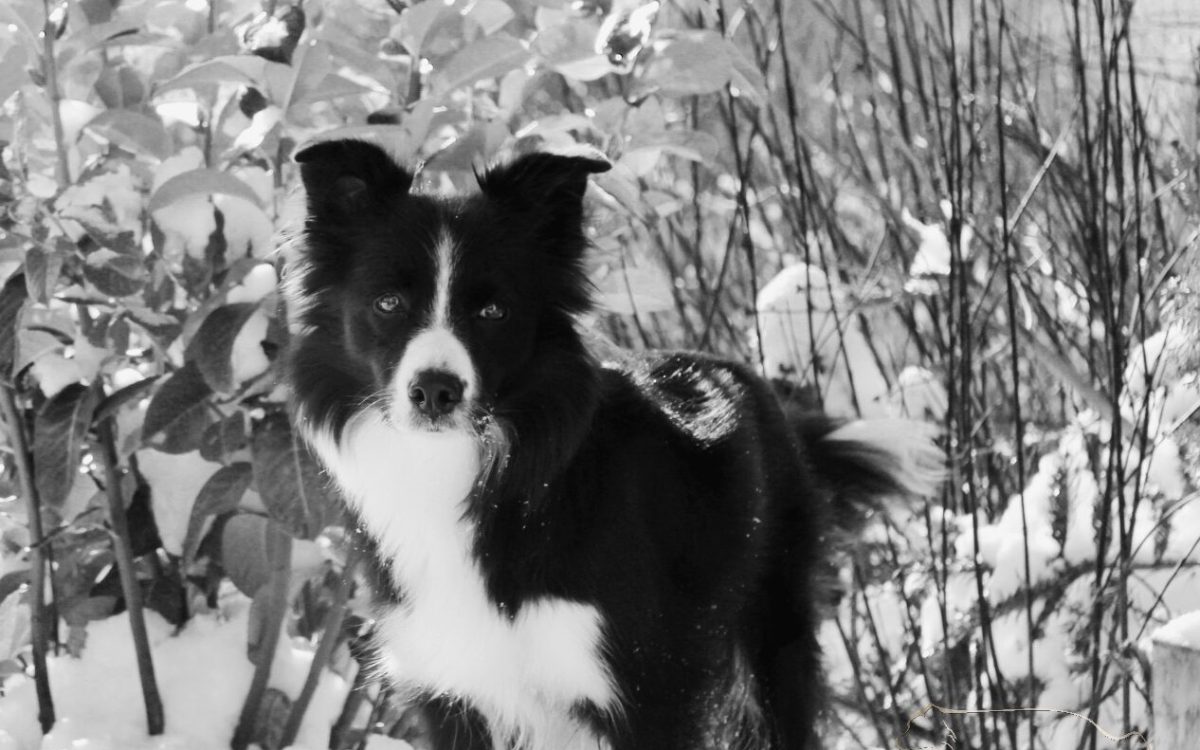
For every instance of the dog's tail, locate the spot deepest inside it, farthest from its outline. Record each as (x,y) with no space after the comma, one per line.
(865,462)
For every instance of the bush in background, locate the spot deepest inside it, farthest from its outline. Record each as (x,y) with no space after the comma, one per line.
(987,225)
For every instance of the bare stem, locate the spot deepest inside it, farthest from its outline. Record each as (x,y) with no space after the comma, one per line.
(33,505)
(132,590)
(279,556)
(50,69)
(330,631)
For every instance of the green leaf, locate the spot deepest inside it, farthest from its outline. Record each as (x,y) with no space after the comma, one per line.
(417,21)
(115,274)
(693,145)
(200,182)
(689,63)
(489,15)
(178,413)
(273,715)
(244,551)
(222,493)
(114,401)
(486,58)
(223,438)
(133,131)
(59,430)
(570,49)
(12,299)
(250,70)
(291,483)
(212,346)
(747,79)
(42,268)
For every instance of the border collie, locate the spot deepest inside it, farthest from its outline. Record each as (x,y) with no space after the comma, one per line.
(570,553)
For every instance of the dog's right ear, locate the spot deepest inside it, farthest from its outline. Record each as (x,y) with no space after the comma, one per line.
(343,177)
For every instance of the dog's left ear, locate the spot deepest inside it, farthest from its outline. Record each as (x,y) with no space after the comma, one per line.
(342,177)
(552,183)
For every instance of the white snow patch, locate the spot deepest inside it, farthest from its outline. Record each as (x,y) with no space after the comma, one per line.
(247,357)
(203,675)
(176,480)
(809,330)
(1182,631)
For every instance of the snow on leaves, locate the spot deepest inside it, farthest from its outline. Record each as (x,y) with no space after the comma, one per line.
(212,347)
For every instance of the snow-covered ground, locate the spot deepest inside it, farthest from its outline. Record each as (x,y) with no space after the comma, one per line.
(203,675)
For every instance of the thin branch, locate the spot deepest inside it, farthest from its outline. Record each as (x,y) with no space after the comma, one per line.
(331,630)
(37,553)
(130,588)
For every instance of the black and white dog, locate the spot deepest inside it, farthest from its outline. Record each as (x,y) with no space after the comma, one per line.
(573,553)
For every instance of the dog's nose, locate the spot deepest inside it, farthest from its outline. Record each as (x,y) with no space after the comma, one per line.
(435,392)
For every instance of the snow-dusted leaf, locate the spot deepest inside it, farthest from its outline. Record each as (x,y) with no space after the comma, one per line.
(486,58)
(289,479)
(14,626)
(133,131)
(688,64)
(59,430)
(115,274)
(33,344)
(201,182)
(222,493)
(178,413)
(212,346)
(12,299)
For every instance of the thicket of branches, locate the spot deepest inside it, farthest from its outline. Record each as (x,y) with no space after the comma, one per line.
(989,223)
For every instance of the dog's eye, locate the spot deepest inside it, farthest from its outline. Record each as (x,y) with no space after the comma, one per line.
(388,304)
(492,311)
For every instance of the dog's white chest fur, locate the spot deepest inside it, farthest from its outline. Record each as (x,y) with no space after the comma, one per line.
(524,673)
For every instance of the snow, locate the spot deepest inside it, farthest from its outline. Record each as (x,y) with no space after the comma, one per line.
(176,479)
(803,313)
(203,675)
(1182,631)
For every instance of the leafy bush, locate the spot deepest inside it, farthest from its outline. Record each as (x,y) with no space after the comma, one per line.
(983,242)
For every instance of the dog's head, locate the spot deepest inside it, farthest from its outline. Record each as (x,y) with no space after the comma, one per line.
(433,308)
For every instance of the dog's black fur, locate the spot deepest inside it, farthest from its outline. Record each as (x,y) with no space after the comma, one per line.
(670,491)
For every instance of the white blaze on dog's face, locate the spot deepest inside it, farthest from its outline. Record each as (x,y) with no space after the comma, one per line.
(435,382)
(433,308)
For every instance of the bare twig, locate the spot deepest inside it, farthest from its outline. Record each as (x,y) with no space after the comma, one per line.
(331,630)
(279,556)
(130,588)
(37,553)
